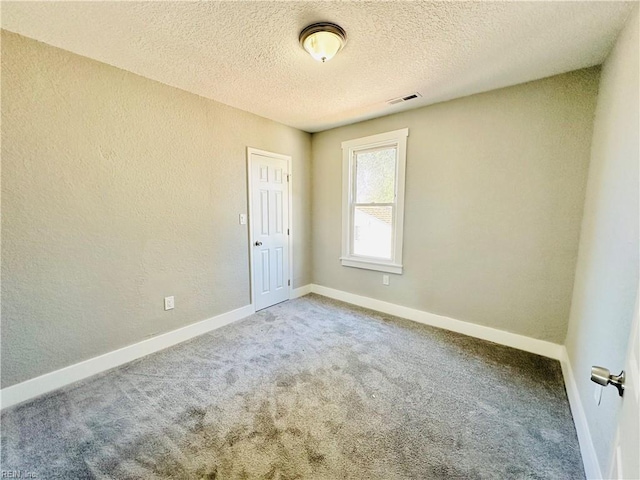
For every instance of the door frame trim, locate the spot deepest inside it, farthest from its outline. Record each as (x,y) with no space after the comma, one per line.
(265,153)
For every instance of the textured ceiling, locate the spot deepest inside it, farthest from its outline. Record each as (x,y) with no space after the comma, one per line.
(246,54)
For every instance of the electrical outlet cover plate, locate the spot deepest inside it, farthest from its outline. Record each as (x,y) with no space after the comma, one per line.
(169,303)
(385,279)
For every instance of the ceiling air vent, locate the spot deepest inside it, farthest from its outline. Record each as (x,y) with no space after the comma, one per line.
(406,98)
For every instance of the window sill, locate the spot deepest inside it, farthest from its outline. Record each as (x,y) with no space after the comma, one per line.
(372,265)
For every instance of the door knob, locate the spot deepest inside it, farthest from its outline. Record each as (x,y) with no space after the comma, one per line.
(258,244)
(602,376)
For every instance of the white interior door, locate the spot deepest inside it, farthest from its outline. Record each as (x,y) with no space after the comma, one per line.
(270,228)
(625,464)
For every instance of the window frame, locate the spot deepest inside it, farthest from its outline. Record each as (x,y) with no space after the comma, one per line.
(350,148)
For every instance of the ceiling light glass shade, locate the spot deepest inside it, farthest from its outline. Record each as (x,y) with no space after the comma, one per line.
(323,40)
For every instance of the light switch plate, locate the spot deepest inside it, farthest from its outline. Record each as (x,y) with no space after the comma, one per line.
(243,219)
(169,303)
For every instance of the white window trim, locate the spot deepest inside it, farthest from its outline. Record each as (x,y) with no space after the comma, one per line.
(397,138)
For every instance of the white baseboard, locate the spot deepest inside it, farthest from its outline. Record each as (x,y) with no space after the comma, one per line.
(528,344)
(37,386)
(589,458)
(300,291)
(51,381)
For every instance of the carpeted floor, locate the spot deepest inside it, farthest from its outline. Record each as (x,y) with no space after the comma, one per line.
(308,389)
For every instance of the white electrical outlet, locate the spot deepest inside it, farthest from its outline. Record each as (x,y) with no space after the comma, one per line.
(597,394)
(169,303)
(385,279)
(243,219)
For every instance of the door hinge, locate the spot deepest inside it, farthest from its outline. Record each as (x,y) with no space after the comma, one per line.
(288,177)
(289,283)
(288,232)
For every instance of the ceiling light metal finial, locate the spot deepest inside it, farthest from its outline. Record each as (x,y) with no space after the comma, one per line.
(323,40)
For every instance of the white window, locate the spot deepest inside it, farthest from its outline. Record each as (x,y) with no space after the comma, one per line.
(373,201)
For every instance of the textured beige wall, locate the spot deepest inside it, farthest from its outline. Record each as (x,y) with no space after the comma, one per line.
(494,196)
(116,192)
(606,282)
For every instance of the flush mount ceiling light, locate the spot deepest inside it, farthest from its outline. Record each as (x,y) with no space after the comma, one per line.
(323,40)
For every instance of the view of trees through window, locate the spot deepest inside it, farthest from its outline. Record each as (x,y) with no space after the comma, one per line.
(375,184)
(376,176)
